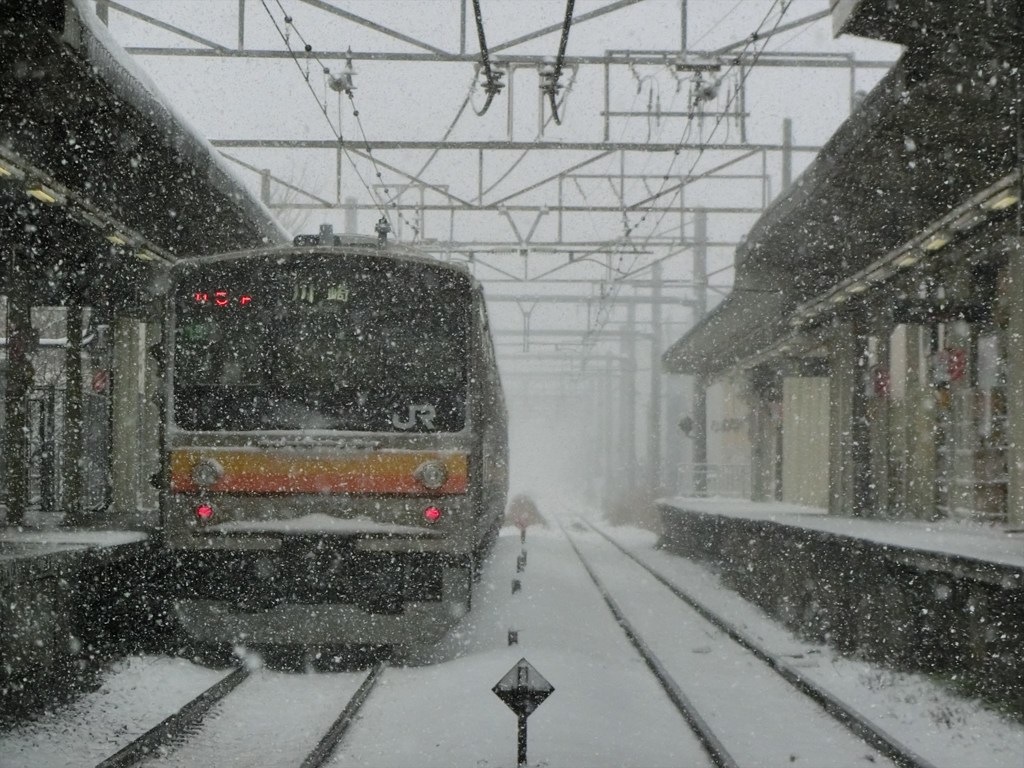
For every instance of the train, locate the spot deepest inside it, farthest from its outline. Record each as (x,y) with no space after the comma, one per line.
(334,447)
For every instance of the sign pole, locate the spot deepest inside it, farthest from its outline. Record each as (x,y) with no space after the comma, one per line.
(522,741)
(523,689)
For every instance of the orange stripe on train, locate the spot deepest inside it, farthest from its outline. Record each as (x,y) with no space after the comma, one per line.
(252,472)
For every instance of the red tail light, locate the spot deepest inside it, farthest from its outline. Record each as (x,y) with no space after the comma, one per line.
(204,512)
(432,514)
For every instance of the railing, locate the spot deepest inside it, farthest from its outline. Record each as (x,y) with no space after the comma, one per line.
(731,480)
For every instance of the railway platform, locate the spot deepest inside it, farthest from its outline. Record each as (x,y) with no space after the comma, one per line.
(65,594)
(913,594)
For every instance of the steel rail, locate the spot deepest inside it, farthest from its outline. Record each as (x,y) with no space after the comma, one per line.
(716,750)
(324,749)
(190,714)
(852,720)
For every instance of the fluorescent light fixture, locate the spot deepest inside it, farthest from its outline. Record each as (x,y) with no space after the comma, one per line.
(859,287)
(839,298)
(145,255)
(43,193)
(936,241)
(970,219)
(116,238)
(1003,200)
(9,171)
(909,259)
(881,273)
(89,218)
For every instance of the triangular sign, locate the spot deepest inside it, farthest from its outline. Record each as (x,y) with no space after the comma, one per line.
(523,688)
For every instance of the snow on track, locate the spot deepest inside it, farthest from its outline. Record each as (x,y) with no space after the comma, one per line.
(760,718)
(273,718)
(943,728)
(606,710)
(135,695)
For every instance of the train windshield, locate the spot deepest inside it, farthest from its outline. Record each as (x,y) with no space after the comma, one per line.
(344,342)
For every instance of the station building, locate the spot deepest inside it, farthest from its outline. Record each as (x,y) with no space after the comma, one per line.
(870,357)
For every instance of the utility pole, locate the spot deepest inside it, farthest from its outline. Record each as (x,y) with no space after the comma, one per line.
(608,442)
(654,428)
(700,392)
(787,155)
(682,26)
(627,395)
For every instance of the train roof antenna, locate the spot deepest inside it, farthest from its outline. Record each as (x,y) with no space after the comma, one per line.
(382,229)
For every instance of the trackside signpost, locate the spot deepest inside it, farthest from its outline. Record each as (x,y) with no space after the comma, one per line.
(523,689)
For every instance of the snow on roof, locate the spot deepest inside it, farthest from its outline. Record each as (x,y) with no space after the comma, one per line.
(128,79)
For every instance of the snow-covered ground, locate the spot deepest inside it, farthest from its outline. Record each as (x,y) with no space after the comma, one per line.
(136,695)
(939,725)
(606,710)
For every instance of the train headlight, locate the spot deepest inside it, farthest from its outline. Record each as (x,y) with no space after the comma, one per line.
(207,472)
(431,474)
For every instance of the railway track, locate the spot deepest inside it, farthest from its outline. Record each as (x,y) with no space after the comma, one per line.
(706,731)
(178,726)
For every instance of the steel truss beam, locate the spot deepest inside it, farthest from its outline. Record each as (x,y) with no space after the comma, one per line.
(585,203)
(514,146)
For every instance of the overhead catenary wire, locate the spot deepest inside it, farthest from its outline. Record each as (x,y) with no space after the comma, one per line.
(552,86)
(347,88)
(522,155)
(336,130)
(714,26)
(692,112)
(785,4)
(604,310)
(493,84)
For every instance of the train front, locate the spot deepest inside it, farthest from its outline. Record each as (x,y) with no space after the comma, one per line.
(318,475)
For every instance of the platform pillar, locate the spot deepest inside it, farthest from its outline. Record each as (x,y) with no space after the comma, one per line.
(72,468)
(126,418)
(21,341)
(840,500)
(850,484)
(880,419)
(763,444)
(918,488)
(1015,382)
(962,442)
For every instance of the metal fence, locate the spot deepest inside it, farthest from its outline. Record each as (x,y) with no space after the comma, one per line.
(730,480)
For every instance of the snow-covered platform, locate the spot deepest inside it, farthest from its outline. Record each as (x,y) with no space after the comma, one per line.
(909,592)
(985,552)
(26,553)
(53,584)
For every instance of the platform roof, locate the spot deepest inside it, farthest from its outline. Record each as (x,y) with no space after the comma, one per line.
(82,124)
(932,133)
(906,21)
